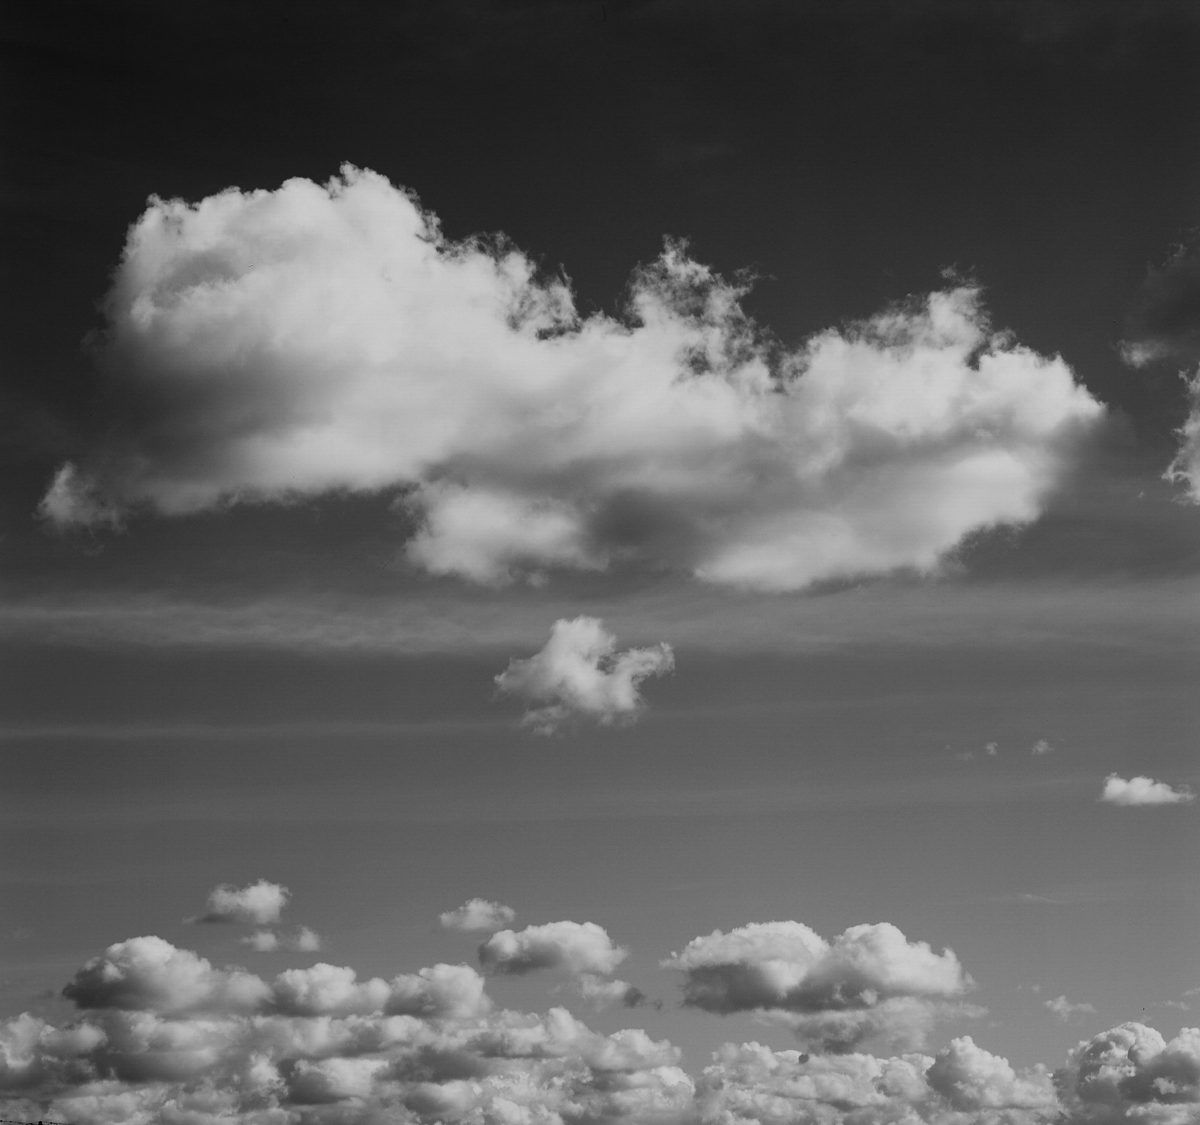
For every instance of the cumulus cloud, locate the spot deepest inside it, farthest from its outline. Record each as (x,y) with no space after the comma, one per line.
(1144,792)
(580,674)
(1131,1074)
(1067,1010)
(256,904)
(869,982)
(576,947)
(267,346)
(963,1085)
(150,974)
(167,1040)
(478,915)
(1041,748)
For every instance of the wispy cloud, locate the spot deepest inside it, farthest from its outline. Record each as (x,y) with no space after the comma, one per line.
(1068,1010)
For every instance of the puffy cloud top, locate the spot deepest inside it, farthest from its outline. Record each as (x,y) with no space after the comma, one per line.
(788,965)
(577,947)
(150,974)
(323,1047)
(1130,1073)
(257,904)
(270,345)
(870,981)
(1143,791)
(478,915)
(579,674)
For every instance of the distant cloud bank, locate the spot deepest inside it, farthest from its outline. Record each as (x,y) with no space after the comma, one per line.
(267,346)
(162,1036)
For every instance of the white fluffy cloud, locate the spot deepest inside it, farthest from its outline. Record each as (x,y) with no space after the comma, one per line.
(478,915)
(167,1040)
(273,345)
(150,974)
(576,947)
(256,904)
(1131,1074)
(963,1085)
(869,982)
(580,674)
(1143,791)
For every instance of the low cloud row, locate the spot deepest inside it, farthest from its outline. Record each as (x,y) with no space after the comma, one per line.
(163,1037)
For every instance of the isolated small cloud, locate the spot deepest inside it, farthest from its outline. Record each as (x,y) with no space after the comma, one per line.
(257,904)
(478,915)
(869,982)
(1041,748)
(576,947)
(604,992)
(301,940)
(1143,791)
(319,339)
(579,674)
(1067,1010)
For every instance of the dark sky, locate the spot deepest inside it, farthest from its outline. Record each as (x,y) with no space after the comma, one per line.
(276,690)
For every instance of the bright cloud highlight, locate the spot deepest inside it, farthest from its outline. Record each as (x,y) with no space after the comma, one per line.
(165,1038)
(579,674)
(478,915)
(267,346)
(257,904)
(870,982)
(1143,791)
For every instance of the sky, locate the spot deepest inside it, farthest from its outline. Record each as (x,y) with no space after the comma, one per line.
(590,562)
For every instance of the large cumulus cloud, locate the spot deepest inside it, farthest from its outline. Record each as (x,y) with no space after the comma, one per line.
(870,982)
(1131,1073)
(270,345)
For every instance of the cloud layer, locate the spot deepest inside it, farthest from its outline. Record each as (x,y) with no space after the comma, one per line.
(275,345)
(164,1037)
(579,674)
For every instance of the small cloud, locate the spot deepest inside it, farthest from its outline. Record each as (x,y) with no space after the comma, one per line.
(991,750)
(257,904)
(1041,748)
(1067,1010)
(580,675)
(478,915)
(1143,791)
(602,992)
(304,940)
